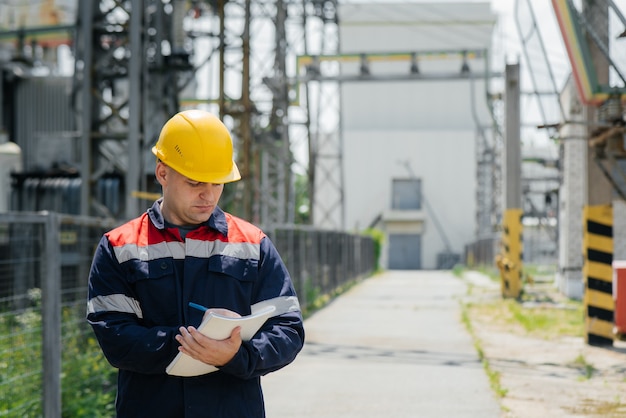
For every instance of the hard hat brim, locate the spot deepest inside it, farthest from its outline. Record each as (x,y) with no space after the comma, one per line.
(208,177)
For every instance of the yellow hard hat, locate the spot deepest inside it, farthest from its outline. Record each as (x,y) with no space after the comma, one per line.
(198,145)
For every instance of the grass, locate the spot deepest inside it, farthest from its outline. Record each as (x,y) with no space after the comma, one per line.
(548,320)
(545,320)
(493,376)
(539,313)
(585,368)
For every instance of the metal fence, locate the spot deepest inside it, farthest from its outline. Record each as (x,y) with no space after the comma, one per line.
(539,247)
(50,363)
(482,252)
(321,261)
(44,339)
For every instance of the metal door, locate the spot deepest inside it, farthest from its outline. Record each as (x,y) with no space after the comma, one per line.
(405,251)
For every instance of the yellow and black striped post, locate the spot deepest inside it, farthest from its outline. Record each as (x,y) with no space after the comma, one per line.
(510,261)
(598,274)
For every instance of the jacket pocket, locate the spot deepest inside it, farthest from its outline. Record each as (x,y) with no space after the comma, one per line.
(231,283)
(154,283)
(243,270)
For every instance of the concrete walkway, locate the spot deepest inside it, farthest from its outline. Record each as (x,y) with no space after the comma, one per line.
(393,346)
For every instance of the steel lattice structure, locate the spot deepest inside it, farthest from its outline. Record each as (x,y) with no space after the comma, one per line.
(140,61)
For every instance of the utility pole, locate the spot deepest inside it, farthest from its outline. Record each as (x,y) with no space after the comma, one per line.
(509,261)
(599,189)
(598,210)
(512,147)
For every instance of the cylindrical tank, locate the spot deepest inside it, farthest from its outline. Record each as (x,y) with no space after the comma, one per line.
(10,162)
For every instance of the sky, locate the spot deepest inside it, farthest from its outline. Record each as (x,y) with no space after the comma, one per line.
(544,55)
(507,40)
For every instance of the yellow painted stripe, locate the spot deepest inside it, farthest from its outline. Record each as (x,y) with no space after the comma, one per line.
(599,327)
(512,248)
(602,214)
(598,271)
(302,60)
(599,299)
(145,195)
(514,214)
(599,242)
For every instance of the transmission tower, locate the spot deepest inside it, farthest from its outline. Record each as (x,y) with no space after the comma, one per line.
(139,61)
(259,90)
(126,87)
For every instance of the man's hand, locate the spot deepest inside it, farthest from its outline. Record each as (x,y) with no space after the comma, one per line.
(207,350)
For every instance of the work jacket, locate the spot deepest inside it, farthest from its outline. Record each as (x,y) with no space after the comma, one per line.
(143,277)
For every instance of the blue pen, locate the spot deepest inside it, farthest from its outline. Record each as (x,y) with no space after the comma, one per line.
(198,307)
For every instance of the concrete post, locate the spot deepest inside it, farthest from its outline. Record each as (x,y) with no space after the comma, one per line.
(510,259)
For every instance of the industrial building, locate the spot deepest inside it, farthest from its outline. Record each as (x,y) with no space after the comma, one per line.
(391,116)
(409,121)
(411,125)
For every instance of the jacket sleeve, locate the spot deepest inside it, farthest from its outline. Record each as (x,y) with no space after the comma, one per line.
(282,337)
(114,312)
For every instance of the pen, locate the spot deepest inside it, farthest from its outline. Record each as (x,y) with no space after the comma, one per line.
(198,307)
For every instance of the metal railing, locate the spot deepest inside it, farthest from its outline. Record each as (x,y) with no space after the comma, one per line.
(539,247)
(50,362)
(44,264)
(321,261)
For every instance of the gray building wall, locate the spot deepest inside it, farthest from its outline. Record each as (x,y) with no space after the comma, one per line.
(423,129)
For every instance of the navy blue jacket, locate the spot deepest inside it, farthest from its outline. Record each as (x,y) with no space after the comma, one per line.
(143,277)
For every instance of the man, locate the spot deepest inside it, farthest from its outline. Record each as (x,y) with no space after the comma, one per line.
(186,249)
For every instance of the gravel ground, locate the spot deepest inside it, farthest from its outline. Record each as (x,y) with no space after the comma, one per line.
(560,377)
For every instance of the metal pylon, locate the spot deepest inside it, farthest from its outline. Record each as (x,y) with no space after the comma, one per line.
(323,102)
(126,87)
(136,64)
(255,65)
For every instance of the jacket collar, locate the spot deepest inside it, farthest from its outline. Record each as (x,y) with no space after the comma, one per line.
(217,221)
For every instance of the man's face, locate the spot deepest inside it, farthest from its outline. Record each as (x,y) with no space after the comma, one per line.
(185,201)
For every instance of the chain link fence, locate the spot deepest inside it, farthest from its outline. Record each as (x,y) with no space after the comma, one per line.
(50,362)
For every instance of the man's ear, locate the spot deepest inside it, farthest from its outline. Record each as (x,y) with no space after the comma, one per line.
(160,172)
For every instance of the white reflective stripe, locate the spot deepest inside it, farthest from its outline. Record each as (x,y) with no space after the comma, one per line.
(283,305)
(127,252)
(193,248)
(206,249)
(201,249)
(150,252)
(114,303)
(122,303)
(166,249)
